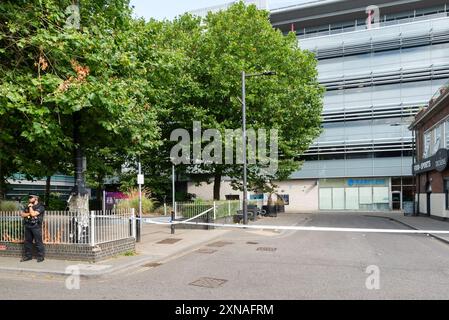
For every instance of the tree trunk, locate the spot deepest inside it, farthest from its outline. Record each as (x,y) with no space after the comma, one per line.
(217,185)
(99,193)
(47,190)
(270,200)
(80,181)
(2,174)
(2,182)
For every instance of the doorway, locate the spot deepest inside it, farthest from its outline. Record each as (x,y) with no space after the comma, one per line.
(429,196)
(396,199)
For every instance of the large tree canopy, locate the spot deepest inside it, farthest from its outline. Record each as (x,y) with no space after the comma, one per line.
(220,47)
(128,84)
(101,72)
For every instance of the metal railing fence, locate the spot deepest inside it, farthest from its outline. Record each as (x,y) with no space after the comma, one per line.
(217,209)
(64,227)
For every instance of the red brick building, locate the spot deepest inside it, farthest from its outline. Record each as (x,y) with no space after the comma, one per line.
(431,130)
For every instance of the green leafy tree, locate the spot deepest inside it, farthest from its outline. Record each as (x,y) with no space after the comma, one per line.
(220,47)
(52,75)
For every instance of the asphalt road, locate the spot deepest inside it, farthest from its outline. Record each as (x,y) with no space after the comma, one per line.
(303,265)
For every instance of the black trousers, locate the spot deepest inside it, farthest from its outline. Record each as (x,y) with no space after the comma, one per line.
(34,233)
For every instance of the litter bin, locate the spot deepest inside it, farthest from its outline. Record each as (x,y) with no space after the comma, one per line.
(272,211)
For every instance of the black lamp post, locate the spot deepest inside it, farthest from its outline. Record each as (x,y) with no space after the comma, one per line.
(244,137)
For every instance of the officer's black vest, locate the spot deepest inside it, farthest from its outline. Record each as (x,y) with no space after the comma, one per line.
(32,221)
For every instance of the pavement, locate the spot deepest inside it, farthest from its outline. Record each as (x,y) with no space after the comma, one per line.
(418,223)
(150,252)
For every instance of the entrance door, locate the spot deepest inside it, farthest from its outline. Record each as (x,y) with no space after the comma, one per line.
(397,200)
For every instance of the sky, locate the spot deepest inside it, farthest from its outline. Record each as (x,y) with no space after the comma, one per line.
(160,9)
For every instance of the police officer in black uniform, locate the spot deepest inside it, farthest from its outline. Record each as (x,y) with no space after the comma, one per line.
(33,217)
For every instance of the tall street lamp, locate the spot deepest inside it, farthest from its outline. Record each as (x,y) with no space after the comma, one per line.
(245,178)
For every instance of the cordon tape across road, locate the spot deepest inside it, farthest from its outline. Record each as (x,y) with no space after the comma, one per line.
(297,228)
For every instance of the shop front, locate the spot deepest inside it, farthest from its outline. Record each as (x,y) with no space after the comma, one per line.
(431,131)
(355,194)
(433,183)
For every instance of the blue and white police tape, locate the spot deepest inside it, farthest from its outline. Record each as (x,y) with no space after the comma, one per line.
(293,228)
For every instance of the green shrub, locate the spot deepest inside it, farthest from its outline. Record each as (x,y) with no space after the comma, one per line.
(55,203)
(9,206)
(147,205)
(129,254)
(160,210)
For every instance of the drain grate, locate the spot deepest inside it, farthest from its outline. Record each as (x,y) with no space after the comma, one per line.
(208,282)
(252,242)
(206,251)
(219,244)
(267,249)
(169,241)
(152,265)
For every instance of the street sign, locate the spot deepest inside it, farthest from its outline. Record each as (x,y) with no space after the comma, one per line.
(140,179)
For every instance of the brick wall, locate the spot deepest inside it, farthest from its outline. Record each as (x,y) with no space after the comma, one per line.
(440,114)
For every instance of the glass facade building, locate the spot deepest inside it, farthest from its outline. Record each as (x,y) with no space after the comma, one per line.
(377,78)
(19,186)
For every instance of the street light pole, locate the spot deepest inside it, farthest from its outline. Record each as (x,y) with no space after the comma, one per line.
(245,186)
(139,221)
(173,188)
(244,142)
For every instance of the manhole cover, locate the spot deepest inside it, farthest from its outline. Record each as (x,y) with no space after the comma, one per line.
(152,265)
(252,242)
(219,244)
(208,282)
(268,249)
(169,241)
(206,251)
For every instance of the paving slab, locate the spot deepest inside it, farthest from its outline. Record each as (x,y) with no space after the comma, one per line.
(154,248)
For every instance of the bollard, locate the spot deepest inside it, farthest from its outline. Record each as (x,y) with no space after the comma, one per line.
(138,226)
(172,227)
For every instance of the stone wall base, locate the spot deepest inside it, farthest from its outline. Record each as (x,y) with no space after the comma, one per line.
(75,252)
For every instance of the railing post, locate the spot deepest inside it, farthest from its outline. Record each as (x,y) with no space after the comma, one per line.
(229,208)
(215,211)
(173,218)
(175,210)
(133,223)
(92,228)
